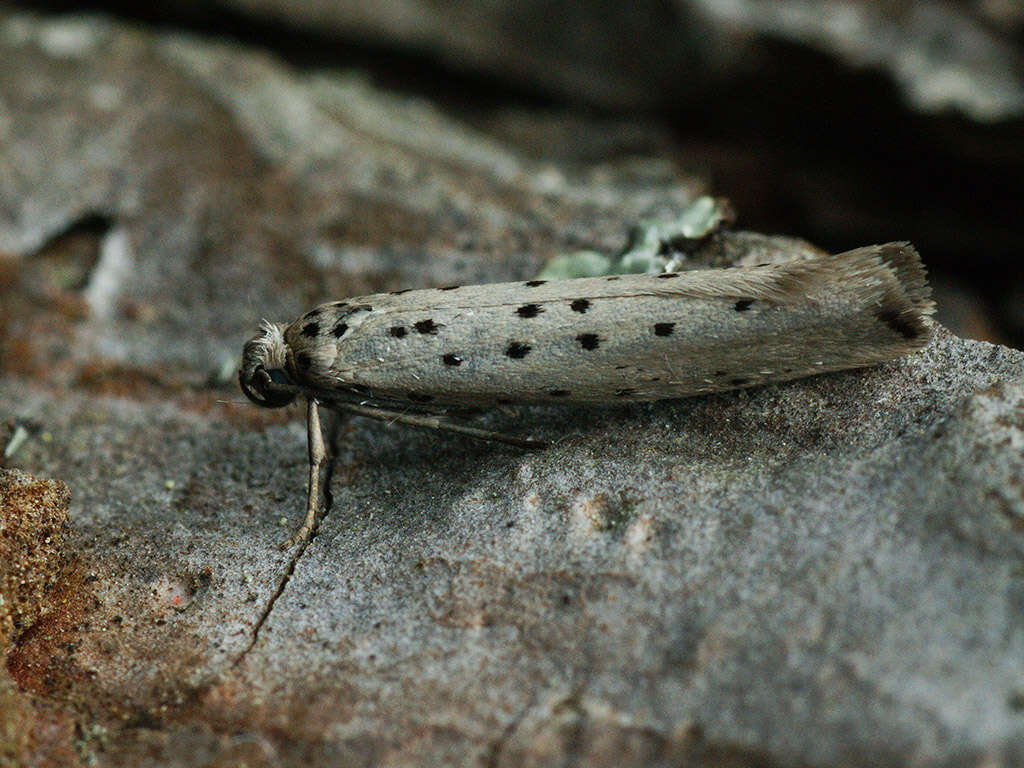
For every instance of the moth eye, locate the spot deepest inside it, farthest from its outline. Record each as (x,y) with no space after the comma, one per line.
(269,388)
(279,377)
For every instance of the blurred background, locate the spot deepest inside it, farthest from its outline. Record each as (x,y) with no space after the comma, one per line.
(845,123)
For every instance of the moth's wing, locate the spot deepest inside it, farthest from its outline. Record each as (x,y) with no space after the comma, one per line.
(638,337)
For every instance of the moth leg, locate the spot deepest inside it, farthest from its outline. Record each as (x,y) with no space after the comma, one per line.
(317,459)
(436,422)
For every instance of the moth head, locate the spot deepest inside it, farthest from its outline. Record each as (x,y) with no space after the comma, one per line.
(263,376)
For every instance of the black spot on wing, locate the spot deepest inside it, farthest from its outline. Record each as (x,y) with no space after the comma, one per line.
(743,305)
(427,327)
(534,283)
(668,275)
(339,330)
(451,359)
(400,292)
(398,331)
(580,305)
(588,340)
(517,350)
(529,310)
(450,288)
(898,323)
(309,330)
(664,329)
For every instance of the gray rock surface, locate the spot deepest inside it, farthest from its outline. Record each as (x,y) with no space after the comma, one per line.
(826,572)
(942,55)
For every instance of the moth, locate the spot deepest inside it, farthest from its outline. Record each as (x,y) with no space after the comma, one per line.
(409,355)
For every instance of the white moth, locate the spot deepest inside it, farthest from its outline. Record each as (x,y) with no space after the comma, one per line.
(592,340)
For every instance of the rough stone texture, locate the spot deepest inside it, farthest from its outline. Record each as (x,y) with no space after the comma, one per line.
(32,534)
(31,547)
(825,573)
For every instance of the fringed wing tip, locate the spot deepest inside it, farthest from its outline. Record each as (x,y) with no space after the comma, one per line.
(905,304)
(906,264)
